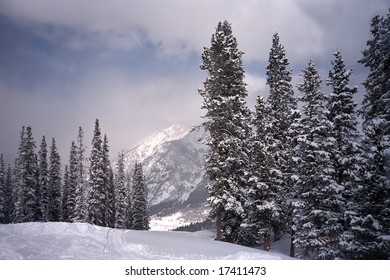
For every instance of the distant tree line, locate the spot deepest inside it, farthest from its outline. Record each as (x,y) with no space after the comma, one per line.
(207,224)
(34,190)
(310,172)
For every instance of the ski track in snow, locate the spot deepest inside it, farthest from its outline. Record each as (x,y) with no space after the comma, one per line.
(45,241)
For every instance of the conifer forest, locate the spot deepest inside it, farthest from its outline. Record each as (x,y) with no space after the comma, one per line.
(35,190)
(299,164)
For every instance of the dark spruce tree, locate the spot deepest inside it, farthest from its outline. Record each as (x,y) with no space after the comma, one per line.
(108,184)
(121,193)
(140,216)
(280,116)
(227,120)
(43,179)
(259,205)
(97,188)
(129,190)
(319,205)
(343,115)
(347,157)
(78,176)
(55,187)
(65,196)
(2,190)
(375,194)
(9,198)
(26,181)
(30,163)
(18,186)
(73,181)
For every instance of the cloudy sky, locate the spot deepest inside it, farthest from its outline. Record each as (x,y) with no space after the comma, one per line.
(134,65)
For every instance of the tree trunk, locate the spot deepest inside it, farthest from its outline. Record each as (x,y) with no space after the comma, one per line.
(267,235)
(218,222)
(292,247)
(267,241)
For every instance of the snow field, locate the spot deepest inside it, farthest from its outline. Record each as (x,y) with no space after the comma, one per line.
(65,241)
(108,253)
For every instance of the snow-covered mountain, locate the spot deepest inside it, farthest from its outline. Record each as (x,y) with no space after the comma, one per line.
(172,161)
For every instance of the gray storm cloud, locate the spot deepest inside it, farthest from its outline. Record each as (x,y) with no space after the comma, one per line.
(173,31)
(307,28)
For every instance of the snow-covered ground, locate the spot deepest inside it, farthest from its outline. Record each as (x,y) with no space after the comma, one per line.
(60,246)
(56,241)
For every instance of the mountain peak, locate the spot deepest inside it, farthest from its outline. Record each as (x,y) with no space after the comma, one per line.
(148,146)
(175,131)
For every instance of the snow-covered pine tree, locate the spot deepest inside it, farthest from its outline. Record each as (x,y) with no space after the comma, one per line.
(375,202)
(43,178)
(108,185)
(73,181)
(39,215)
(65,196)
(97,190)
(343,115)
(111,197)
(30,163)
(80,201)
(280,115)
(26,179)
(258,205)
(9,198)
(129,190)
(139,211)
(32,204)
(2,190)
(55,194)
(121,193)
(347,156)
(227,121)
(317,217)
(18,187)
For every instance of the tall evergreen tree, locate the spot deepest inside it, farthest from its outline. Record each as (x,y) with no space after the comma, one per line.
(31,206)
(129,191)
(228,124)
(43,179)
(73,184)
(2,190)
(80,200)
(111,198)
(9,198)
(97,190)
(18,186)
(108,185)
(347,157)
(65,196)
(375,194)
(18,189)
(139,211)
(343,115)
(26,181)
(121,193)
(55,193)
(317,220)
(280,116)
(258,204)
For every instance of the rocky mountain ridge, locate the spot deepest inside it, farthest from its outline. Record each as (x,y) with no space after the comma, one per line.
(173,161)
